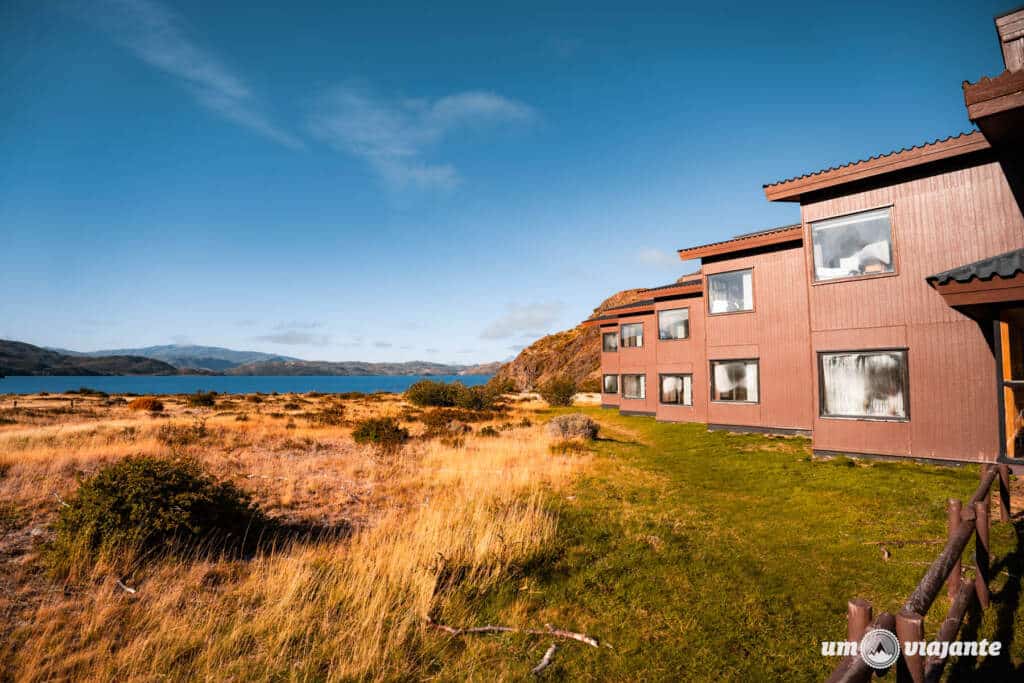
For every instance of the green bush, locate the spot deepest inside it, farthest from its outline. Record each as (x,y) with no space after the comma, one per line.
(383,432)
(558,391)
(501,386)
(428,393)
(178,435)
(145,503)
(489,430)
(590,386)
(202,399)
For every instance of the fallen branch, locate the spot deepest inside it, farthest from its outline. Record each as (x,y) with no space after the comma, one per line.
(60,500)
(126,589)
(545,662)
(547,631)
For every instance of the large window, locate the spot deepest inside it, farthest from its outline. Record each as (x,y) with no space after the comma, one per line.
(634,386)
(852,246)
(610,341)
(866,384)
(734,380)
(632,335)
(731,292)
(611,384)
(674,324)
(677,389)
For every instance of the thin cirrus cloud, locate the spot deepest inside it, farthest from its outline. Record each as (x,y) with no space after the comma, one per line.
(524,320)
(395,137)
(658,258)
(159,37)
(295,338)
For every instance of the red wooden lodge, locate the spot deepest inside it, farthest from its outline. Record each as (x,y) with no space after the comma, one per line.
(888,322)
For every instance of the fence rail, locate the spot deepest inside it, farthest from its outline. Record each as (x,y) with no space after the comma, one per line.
(962,524)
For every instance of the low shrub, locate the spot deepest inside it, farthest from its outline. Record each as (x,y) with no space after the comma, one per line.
(178,435)
(437,421)
(254,398)
(291,405)
(202,399)
(525,422)
(574,426)
(501,386)
(145,503)
(383,432)
(569,447)
(331,416)
(148,403)
(428,393)
(590,386)
(88,391)
(489,431)
(558,391)
(242,417)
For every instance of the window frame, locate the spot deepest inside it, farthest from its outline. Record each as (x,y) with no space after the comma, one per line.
(753,291)
(622,345)
(622,387)
(711,380)
(604,390)
(673,310)
(809,237)
(863,418)
(613,334)
(680,375)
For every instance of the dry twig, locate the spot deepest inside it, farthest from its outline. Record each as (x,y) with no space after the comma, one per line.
(548,630)
(545,662)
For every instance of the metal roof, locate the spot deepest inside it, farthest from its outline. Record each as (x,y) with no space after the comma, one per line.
(1004,265)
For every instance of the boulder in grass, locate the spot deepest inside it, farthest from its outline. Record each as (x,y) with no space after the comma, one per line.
(575,426)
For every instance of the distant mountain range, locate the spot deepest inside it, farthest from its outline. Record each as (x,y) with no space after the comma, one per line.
(18,358)
(212,358)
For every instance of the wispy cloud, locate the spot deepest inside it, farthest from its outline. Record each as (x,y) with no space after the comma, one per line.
(658,258)
(432,350)
(295,338)
(382,345)
(160,38)
(298,325)
(524,320)
(393,137)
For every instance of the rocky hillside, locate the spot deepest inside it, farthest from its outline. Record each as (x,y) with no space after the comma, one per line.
(575,353)
(315,367)
(18,358)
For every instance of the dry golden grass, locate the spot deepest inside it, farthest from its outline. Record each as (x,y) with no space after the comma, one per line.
(428,526)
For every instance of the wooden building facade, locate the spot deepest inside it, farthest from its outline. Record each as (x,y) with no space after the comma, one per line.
(888,322)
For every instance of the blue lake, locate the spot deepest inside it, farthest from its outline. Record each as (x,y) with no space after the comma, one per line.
(187,384)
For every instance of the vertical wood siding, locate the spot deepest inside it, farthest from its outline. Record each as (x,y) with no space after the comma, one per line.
(939,222)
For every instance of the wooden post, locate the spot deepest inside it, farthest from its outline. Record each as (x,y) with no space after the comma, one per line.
(981,553)
(953,510)
(1004,493)
(985,469)
(910,628)
(858,617)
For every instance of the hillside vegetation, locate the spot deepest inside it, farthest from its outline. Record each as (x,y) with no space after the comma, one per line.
(574,353)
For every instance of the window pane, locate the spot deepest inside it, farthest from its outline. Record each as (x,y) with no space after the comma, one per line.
(851,246)
(611,384)
(677,389)
(734,380)
(729,292)
(634,386)
(674,324)
(632,336)
(610,341)
(871,384)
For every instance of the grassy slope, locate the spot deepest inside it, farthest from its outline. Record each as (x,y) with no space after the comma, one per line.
(710,556)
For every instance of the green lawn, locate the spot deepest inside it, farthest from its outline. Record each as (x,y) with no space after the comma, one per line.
(710,556)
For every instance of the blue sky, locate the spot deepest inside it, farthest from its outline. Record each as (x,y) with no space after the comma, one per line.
(426,181)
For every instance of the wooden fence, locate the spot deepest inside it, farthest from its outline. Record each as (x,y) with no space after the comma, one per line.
(962,524)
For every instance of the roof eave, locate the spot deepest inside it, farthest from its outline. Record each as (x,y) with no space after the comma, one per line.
(742,244)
